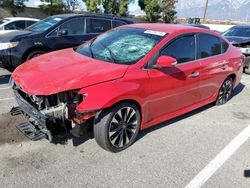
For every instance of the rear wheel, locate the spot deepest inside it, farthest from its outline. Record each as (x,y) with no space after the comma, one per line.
(115,129)
(35,53)
(225,92)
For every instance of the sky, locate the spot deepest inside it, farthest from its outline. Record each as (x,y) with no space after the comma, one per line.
(132,6)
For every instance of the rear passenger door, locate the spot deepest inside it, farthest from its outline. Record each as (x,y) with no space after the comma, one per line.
(213,62)
(96,26)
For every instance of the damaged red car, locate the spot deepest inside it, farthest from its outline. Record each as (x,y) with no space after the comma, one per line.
(124,81)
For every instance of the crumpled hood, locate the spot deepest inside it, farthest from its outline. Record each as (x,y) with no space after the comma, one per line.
(237,40)
(64,70)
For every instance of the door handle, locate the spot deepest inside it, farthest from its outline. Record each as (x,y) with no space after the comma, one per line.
(194,75)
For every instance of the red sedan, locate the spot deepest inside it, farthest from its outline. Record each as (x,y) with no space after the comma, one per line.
(125,80)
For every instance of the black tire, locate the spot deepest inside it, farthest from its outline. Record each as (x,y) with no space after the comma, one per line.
(35,53)
(115,137)
(247,70)
(225,92)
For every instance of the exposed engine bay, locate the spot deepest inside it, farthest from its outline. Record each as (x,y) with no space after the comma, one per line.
(50,116)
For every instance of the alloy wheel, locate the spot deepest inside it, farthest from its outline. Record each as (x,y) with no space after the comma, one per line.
(225,91)
(123,126)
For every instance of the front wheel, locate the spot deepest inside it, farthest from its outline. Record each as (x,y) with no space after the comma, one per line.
(225,92)
(115,129)
(34,53)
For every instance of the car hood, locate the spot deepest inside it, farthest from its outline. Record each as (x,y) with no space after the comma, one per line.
(62,71)
(237,40)
(14,35)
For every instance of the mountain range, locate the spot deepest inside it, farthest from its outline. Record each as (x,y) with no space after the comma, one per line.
(238,10)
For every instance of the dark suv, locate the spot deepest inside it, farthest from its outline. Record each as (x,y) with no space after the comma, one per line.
(53,33)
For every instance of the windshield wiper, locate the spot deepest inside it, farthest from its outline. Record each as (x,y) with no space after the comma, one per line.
(110,52)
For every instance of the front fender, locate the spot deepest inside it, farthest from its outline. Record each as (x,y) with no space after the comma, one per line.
(106,94)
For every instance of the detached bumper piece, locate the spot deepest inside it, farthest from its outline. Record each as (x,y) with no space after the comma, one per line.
(30,131)
(16,111)
(35,129)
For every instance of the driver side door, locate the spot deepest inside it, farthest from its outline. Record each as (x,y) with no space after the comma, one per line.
(177,87)
(69,34)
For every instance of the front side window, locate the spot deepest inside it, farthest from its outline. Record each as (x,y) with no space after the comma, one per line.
(74,26)
(98,25)
(45,24)
(209,45)
(121,46)
(182,49)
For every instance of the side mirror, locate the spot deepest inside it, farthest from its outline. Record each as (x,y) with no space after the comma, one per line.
(62,32)
(165,61)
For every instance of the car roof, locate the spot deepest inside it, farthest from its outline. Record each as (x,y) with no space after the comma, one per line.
(169,28)
(111,17)
(20,18)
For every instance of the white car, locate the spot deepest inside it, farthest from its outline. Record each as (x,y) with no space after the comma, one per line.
(15,23)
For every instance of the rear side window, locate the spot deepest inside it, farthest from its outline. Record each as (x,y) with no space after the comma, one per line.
(16,25)
(117,23)
(224,45)
(182,49)
(209,45)
(98,25)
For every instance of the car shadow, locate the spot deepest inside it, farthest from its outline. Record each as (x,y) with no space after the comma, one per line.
(173,121)
(238,89)
(4,79)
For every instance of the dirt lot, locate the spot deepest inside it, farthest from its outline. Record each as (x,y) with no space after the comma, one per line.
(171,154)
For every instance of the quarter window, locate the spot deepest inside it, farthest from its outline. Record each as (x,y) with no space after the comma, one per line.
(209,45)
(98,25)
(182,49)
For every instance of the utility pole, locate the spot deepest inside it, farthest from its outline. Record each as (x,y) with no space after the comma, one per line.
(205,11)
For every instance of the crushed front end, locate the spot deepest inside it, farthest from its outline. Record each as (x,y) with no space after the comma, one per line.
(53,116)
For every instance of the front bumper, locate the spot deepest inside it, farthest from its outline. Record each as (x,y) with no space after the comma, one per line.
(36,127)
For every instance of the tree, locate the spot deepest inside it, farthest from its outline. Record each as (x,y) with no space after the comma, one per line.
(71,5)
(14,6)
(92,5)
(110,6)
(168,10)
(53,7)
(151,8)
(123,7)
